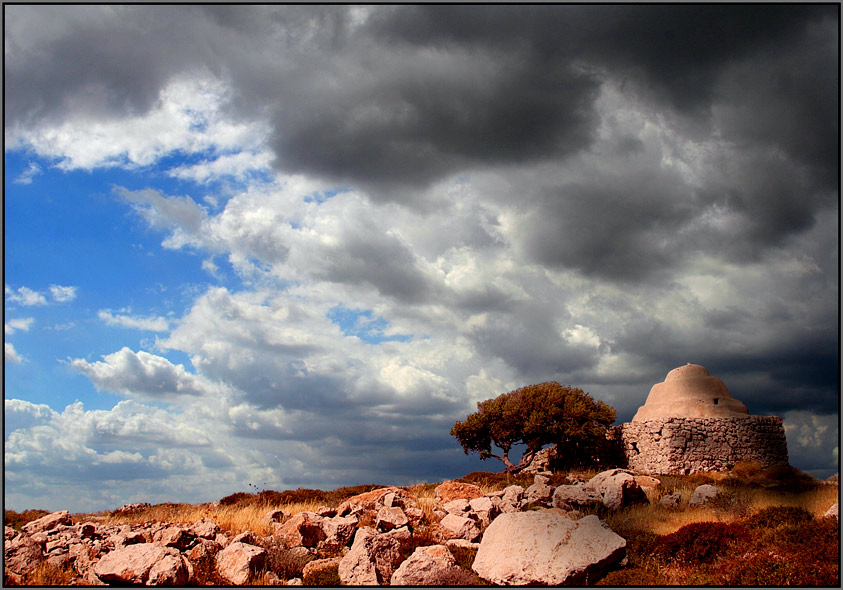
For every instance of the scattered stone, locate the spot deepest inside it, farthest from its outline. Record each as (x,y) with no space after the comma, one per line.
(275,515)
(203,549)
(544,547)
(390,518)
(294,582)
(511,499)
(832,512)
(143,563)
(47,523)
(617,488)
(248,537)
(301,530)
(372,559)
(574,497)
(703,495)
(326,512)
(537,495)
(22,554)
(366,505)
(177,538)
(671,500)
(460,506)
(425,567)
(338,531)
(453,490)
(458,527)
(239,561)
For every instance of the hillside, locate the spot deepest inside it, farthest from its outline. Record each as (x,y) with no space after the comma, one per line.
(763,527)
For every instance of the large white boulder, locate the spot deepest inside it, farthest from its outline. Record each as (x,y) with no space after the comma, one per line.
(544,547)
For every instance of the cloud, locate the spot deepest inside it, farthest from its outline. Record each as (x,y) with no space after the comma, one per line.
(29,297)
(22,324)
(144,376)
(29,174)
(153,324)
(25,296)
(62,294)
(438,204)
(10,355)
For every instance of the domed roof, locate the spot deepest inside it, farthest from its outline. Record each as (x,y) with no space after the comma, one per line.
(690,392)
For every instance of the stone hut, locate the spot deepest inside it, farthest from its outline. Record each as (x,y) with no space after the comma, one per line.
(690,423)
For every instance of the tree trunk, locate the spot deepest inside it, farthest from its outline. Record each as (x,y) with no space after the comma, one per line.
(526,459)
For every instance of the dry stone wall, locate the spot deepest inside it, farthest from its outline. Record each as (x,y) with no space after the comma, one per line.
(675,445)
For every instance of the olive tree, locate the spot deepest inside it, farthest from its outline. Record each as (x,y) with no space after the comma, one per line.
(536,416)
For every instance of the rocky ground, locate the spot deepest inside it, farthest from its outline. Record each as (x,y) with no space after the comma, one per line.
(540,534)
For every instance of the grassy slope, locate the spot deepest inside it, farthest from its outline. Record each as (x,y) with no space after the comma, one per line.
(765,529)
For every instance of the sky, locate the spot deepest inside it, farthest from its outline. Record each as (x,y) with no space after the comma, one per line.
(270,247)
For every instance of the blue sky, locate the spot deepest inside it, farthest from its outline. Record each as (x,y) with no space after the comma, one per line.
(297,243)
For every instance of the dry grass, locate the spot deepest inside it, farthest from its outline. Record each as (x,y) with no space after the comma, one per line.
(233,519)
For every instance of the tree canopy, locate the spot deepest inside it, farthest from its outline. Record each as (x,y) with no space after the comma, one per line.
(535,415)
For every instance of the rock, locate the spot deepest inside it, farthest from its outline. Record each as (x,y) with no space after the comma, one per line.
(540,479)
(22,554)
(427,566)
(372,559)
(301,530)
(482,504)
(390,518)
(544,547)
(458,527)
(177,538)
(574,497)
(453,490)
(703,495)
(617,488)
(832,512)
(671,500)
(275,515)
(338,530)
(294,582)
(205,529)
(511,499)
(143,563)
(537,495)
(9,533)
(645,481)
(203,548)
(248,537)
(460,506)
(369,503)
(239,561)
(326,512)
(47,523)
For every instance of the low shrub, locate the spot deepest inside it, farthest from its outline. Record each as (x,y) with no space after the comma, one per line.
(778,516)
(464,556)
(787,479)
(237,498)
(327,576)
(699,542)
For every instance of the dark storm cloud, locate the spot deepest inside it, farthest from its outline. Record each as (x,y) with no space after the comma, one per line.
(416,93)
